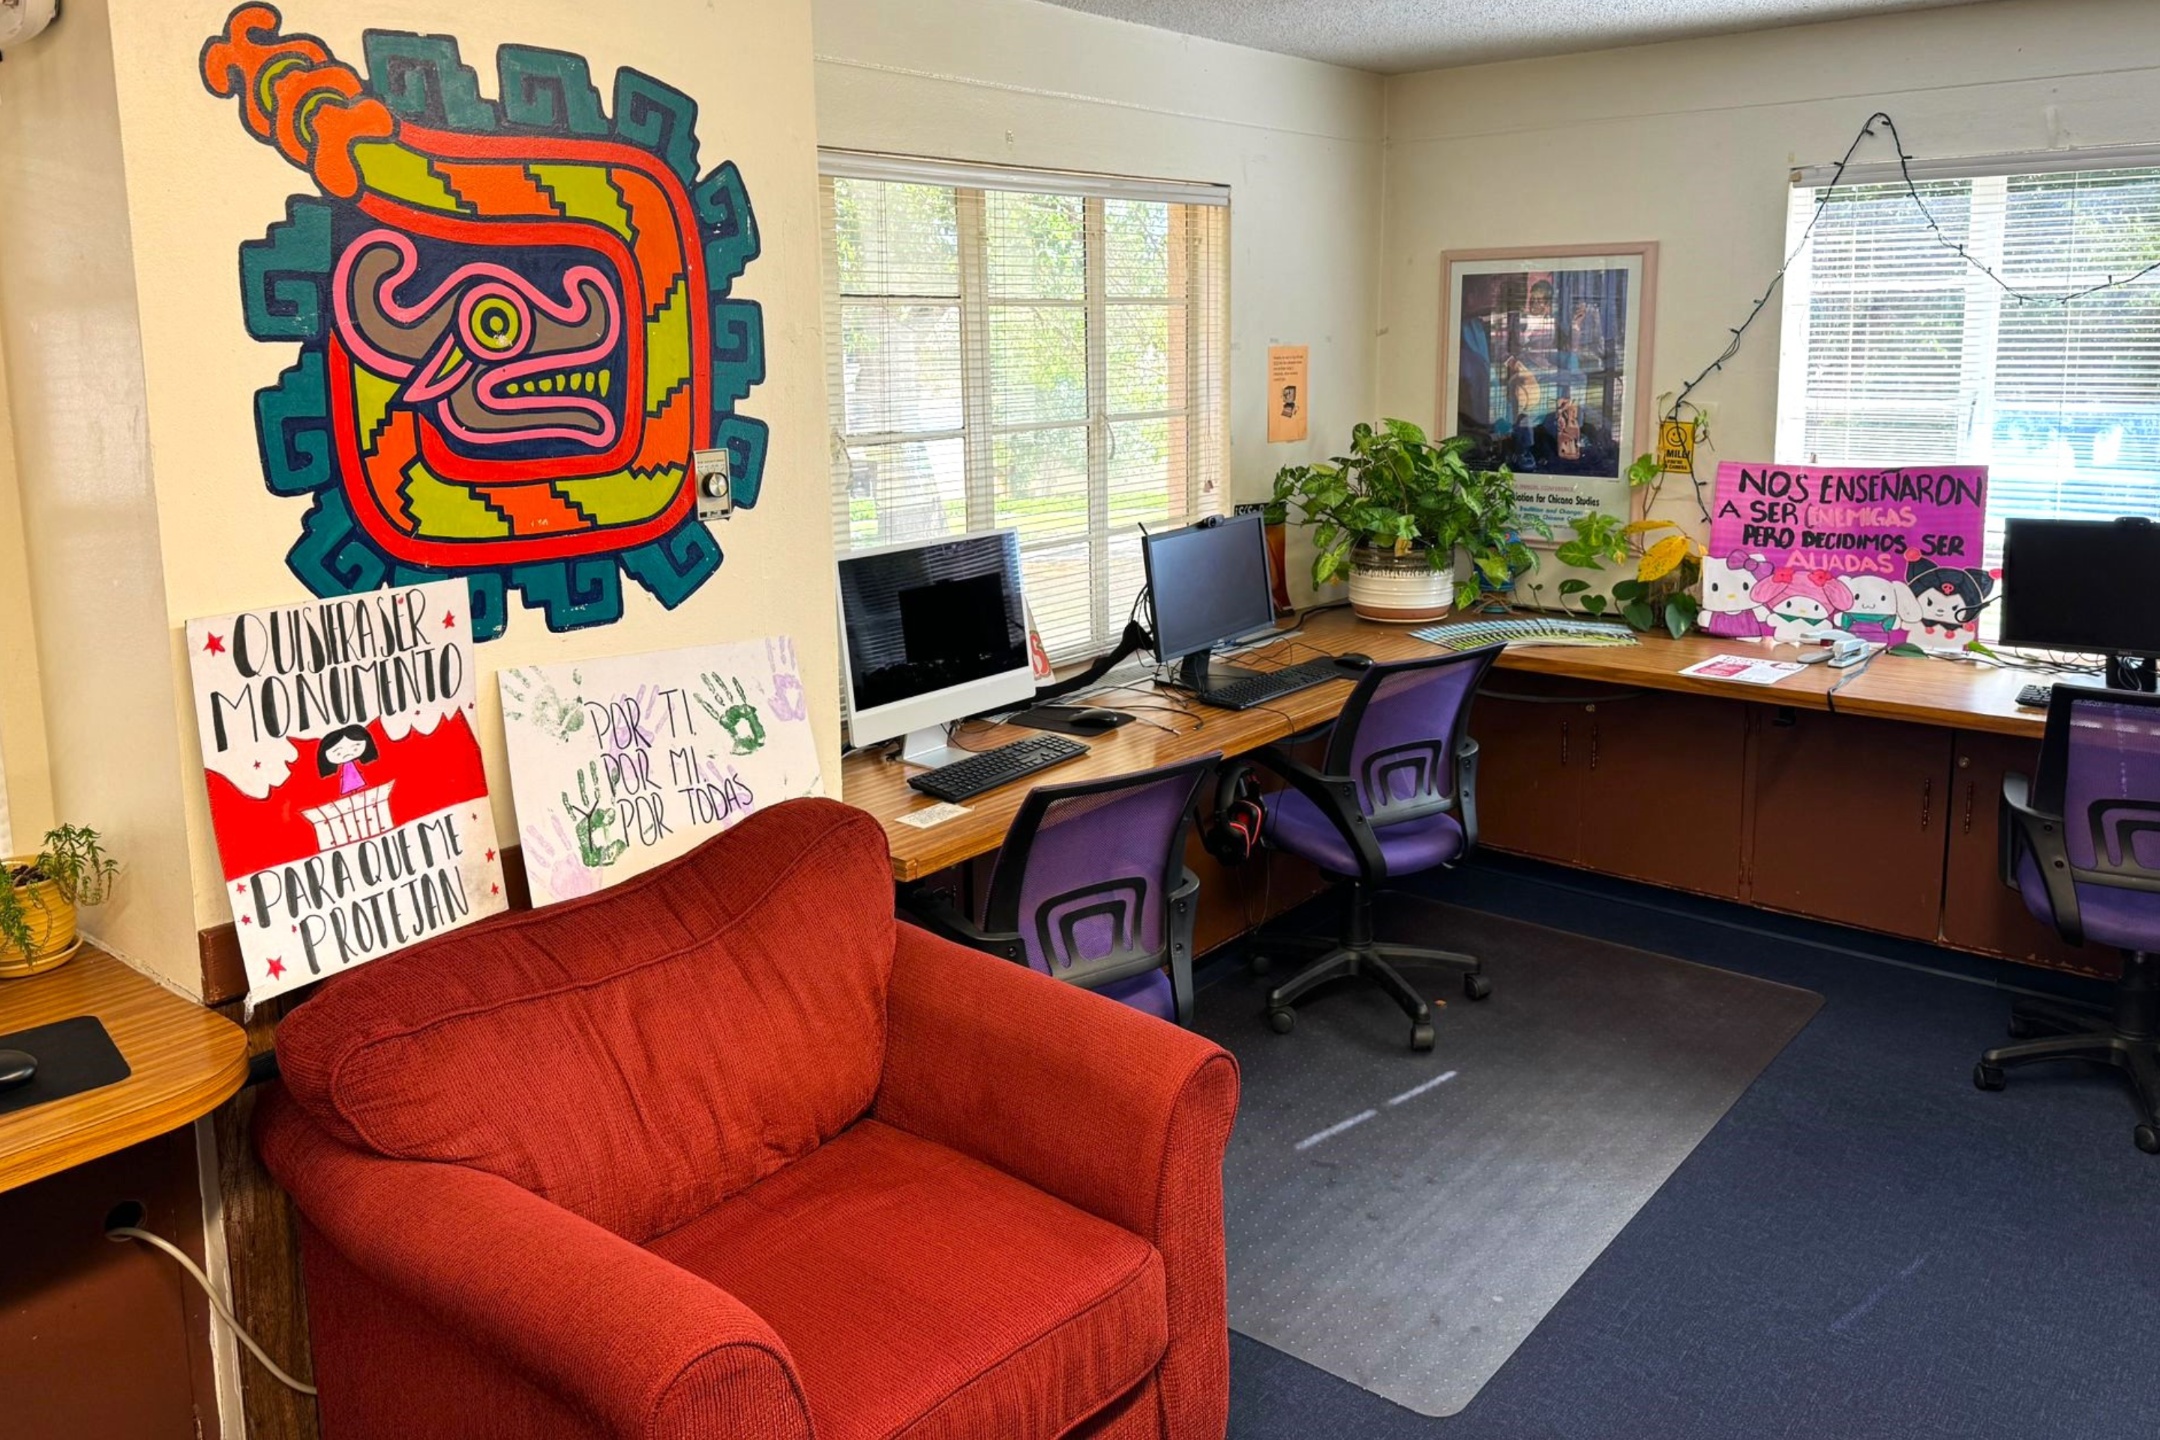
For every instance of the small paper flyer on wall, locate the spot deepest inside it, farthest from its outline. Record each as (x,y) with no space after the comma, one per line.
(622,762)
(1288,393)
(346,789)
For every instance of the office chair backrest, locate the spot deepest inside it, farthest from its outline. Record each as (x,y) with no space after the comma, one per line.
(1086,871)
(1400,730)
(2100,771)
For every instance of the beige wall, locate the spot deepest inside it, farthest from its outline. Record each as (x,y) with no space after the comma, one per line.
(94,573)
(129,561)
(1019,83)
(25,779)
(1690,144)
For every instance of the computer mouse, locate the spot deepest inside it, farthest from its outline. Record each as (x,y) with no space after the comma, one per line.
(1093,721)
(1354,661)
(16,1068)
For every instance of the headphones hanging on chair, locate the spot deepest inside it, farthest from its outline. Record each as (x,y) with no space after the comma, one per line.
(1233,834)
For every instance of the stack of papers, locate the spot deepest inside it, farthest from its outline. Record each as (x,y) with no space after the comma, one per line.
(1744,670)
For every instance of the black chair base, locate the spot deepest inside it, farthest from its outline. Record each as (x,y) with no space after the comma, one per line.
(2128,1041)
(1357,953)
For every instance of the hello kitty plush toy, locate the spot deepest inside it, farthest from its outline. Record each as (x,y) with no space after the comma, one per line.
(1729,607)
(1803,604)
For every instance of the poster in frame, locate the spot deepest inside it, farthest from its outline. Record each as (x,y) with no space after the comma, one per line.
(1545,365)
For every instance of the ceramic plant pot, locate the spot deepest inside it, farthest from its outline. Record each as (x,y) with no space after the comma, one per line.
(52,928)
(1399,589)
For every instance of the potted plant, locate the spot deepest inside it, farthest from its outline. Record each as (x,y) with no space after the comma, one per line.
(37,906)
(1661,593)
(1390,516)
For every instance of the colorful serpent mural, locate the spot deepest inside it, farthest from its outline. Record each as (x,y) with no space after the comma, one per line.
(514,321)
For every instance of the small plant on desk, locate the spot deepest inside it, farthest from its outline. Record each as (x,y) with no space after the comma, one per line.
(37,906)
(1661,593)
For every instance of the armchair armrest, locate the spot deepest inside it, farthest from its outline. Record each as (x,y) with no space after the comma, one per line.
(2024,827)
(1112,1111)
(1336,798)
(642,1346)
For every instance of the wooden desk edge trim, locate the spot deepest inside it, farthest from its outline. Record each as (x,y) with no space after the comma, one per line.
(141,1120)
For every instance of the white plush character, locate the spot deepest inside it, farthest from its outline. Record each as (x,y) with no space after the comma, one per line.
(1729,606)
(1803,604)
(1883,610)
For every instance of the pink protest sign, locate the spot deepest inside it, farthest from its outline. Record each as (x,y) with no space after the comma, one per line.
(1805,552)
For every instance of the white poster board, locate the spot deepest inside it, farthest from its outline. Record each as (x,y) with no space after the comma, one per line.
(620,763)
(344,773)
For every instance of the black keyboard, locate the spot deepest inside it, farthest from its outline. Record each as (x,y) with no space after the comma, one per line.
(964,779)
(1259,689)
(2035,697)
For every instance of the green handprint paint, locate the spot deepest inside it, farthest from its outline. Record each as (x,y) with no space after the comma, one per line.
(732,711)
(592,818)
(547,708)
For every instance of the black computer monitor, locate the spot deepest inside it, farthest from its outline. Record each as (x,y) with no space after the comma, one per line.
(932,632)
(2086,585)
(1207,583)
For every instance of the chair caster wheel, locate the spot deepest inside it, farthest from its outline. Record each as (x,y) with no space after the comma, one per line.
(1421,1037)
(1259,965)
(2147,1138)
(1282,1019)
(1989,1077)
(1476,987)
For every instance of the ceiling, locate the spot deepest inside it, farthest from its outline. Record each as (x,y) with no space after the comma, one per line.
(1394,36)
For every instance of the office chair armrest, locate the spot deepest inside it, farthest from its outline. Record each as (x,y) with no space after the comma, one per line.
(1466,758)
(1337,798)
(935,911)
(1184,915)
(2022,827)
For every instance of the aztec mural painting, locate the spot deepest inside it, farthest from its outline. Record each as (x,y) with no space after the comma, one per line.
(514,321)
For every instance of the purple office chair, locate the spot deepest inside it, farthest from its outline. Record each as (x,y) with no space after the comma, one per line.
(1090,887)
(2081,843)
(1396,794)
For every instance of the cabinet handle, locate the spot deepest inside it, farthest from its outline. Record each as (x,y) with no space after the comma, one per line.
(1593,744)
(1969,788)
(1927,802)
(1563,741)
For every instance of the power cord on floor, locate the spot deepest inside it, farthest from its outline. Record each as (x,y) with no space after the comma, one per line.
(119,1233)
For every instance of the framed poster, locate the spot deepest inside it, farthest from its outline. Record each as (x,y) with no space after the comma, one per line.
(620,762)
(1545,366)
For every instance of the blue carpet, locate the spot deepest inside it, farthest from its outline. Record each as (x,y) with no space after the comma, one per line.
(1864,1248)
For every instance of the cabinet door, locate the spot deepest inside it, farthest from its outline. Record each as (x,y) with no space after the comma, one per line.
(1849,820)
(1979,912)
(1526,786)
(1664,796)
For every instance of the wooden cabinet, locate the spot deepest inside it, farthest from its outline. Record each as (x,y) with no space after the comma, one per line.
(1849,816)
(1665,788)
(1979,912)
(1528,746)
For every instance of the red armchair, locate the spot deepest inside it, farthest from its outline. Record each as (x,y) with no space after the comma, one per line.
(724,1153)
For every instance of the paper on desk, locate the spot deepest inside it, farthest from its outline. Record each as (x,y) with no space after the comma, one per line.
(1744,670)
(931,815)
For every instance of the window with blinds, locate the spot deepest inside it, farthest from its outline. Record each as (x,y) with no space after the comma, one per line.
(1897,352)
(1028,351)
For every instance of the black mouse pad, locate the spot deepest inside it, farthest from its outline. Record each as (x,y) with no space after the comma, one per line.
(72,1055)
(1058,720)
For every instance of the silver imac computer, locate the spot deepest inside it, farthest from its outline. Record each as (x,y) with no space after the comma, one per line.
(930,633)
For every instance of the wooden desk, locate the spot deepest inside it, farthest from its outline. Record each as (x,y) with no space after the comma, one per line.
(185,1060)
(1948,694)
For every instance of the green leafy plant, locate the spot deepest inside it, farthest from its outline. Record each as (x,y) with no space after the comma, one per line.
(74,860)
(1660,595)
(1399,492)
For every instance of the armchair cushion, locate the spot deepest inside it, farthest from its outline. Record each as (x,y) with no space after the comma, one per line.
(1296,824)
(918,1290)
(635,1056)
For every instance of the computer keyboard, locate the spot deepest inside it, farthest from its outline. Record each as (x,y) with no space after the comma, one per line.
(1254,690)
(964,779)
(2035,697)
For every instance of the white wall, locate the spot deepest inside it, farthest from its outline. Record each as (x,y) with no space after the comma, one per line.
(1690,144)
(1019,83)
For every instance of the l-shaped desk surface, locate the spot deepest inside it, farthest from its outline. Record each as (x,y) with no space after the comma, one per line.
(1170,727)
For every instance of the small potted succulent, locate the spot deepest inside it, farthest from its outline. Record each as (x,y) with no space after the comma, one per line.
(1391,516)
(37,906)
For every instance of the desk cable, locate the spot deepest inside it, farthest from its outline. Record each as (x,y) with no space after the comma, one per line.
(119,1233)
(1852,673)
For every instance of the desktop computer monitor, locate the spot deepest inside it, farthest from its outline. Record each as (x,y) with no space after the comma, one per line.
(1207,583)
(2085,585)
(932,632)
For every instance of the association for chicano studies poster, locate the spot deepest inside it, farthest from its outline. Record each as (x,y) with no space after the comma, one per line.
(346,788)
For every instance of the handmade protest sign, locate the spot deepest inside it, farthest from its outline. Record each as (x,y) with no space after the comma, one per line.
(1804,552)
(345,783)
(620,763)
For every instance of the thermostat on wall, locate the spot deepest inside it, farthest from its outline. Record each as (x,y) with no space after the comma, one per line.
(715,488)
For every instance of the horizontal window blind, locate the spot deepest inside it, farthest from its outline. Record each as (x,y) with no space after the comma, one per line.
(1046,360)
(1895,351)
